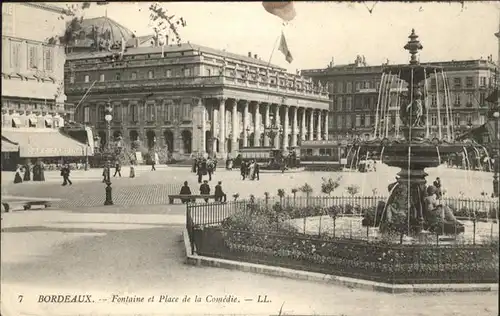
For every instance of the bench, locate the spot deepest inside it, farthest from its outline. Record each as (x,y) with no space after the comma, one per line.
(7,206)
(192,197)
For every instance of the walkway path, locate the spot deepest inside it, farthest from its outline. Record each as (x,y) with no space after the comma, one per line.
(138,251)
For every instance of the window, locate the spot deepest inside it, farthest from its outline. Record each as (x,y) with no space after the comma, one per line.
(339,122)
(209,72)
(348,104)
(367,84)
(340,87)
(118,76)
(367,120)
(150,74)
(468,119)
(469,82)
(72,79)
(15,55)
(456,119)
(445,120)
(358,120)
(433,120)
(86,78)
(349,87)
(168,73)
(482,99)
(133,76)
(470,97)
(187,72)
(134,114)
(358,86)
(100,114)
(339,104)
(457,100)
(348,121)
(101,77)
(377,86)
(457,83)
(32,57)
(434,100)
(433,83)
(482,81)
(86,114)
(47,58)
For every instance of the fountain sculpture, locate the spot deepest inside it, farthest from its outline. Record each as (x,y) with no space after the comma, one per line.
(415,148)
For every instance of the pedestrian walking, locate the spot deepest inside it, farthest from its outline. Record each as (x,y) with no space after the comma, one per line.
(132,170)
(257,171)
(118,169)
(27,172)
(106,173)
(153,163)
(205,189)
(243,169)
(17,177)
(65,172)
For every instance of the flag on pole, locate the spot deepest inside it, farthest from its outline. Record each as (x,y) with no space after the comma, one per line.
(283,9)
(284,49)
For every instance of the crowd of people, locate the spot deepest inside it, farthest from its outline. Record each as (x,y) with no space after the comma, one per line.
(205,189)
(23,172)
(250,170)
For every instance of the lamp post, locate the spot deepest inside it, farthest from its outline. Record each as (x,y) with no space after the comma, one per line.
(496,188)
(200,149)
(108,117)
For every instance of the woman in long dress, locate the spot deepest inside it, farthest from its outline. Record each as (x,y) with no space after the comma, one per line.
(132,170)
(42,171)
(251,173)
(17,177)
(27,172)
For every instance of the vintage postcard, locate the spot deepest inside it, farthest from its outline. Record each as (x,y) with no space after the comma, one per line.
(250,158)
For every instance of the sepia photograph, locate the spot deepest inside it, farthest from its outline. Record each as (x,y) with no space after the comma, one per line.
(134,135)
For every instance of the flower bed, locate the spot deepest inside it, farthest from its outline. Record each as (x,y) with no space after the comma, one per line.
(360,259)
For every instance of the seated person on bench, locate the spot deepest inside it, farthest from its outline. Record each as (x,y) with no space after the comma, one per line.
(185,190)
(205,189)
(220,196)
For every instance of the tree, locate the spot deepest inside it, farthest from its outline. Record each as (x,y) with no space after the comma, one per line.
(329,185)
(162,24)
(281,194)
(307,189)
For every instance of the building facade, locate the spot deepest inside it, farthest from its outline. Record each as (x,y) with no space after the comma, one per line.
(33,99)
(354,91)
(195,99)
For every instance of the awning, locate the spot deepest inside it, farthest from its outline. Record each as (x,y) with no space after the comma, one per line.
(9,147)
(44,143)
(48,122)
(16,121)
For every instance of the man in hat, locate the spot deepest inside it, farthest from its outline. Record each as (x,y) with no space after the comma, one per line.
(205,189)
(220,196)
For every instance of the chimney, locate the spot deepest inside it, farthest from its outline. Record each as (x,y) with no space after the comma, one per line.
(255,56)
(250,54)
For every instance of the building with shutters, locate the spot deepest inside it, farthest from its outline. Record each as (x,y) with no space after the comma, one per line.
(354,92)
(33,101)
(191,98)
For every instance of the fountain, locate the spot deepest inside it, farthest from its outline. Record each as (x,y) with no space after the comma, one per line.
(413,148)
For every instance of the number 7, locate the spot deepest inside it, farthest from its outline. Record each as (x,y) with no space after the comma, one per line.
(20,297)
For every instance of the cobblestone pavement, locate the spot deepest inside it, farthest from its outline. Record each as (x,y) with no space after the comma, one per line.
(137,251)
(152,187)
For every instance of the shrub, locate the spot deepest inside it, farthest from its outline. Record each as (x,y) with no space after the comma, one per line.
(353,189)
(329,185)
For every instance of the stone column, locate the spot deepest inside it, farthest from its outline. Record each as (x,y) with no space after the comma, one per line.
(245,123)
(214,128)
(256,125)
(222,127)
(303,129)
(234,136)
(278,122)
(294,127)
(320,122)
(311,124)
(326,125)
(203,126)
(286,128)
(266,123)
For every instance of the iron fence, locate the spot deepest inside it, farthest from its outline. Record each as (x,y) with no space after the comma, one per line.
(310,217)
(389,263)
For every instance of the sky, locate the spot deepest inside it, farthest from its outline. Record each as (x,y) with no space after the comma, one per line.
(325,30)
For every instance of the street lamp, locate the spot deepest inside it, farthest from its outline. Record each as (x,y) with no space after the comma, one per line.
(496,188)
(108,117)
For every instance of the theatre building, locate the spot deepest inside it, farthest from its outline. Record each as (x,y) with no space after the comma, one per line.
(33,101)
(193,99)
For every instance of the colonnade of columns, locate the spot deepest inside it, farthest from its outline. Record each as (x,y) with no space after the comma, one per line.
(247,123)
